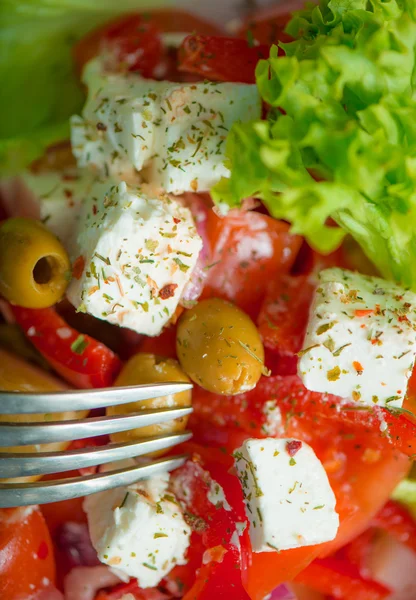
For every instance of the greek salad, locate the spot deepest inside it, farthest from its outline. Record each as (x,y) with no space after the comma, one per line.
(230,206)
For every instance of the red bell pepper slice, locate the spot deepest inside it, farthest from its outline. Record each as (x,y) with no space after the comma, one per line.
(398,522)
(220,58)
(340,579)
(79,359)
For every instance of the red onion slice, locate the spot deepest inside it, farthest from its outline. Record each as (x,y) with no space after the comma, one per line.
(282,593)
(74,542)
(83,583)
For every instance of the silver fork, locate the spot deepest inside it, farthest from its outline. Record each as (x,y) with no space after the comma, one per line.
(41,463)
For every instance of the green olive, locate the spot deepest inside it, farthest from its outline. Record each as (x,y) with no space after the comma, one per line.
(148,368)
(219,347)
(34,265)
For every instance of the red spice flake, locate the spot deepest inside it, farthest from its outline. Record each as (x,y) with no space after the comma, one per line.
(78,267)
(358,367)
(168,291)
(101,126)
(68,193)
(94,209)
(92,290)
(293,447)
(120,287)
(377,310)
(403,318)
(43,551)
(176,220)
(363,312)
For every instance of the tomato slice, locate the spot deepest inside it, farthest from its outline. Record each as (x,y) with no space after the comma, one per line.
(284,314)
(398,522)
(26,555)
(267,25)
(79,359)
(340,580)
(135,38)
(248,251)
(362,464)
(220,58)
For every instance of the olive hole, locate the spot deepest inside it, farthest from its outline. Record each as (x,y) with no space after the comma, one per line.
(43,270)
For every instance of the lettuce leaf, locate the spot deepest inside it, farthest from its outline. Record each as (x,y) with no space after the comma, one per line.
(340,140)
(39,87)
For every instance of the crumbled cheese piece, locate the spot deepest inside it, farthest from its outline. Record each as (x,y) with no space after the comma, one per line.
(135,254)
(173,133)
(289,501)
(360,342)
(216,495)
(139,530)
(273,424)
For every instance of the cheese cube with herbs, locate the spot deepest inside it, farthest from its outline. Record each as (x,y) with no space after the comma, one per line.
(135,254)
(289,501)
(139,530)
(55,196)
(360,342)
(173,133)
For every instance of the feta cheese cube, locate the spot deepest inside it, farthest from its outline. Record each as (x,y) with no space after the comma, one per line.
(55,196)
(136,254)
(289,501)
(360,342)
(138,530)
(173,133)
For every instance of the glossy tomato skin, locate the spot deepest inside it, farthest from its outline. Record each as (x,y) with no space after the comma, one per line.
(248,250)
(26,554)
(139,31)
(362,466)
(220,58)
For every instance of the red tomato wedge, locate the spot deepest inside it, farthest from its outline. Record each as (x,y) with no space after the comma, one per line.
(362,465)
(284,314)
(220,58)
(398,522)
(267,26)
(249,250)
(79,359)
(136,38)
(340,580)
(27,562)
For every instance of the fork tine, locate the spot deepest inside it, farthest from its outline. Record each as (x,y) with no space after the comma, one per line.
(42,463)
(24,434)
(12,403)
(44,492)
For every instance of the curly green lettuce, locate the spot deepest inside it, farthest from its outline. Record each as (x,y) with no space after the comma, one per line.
(340,140)
(39,88)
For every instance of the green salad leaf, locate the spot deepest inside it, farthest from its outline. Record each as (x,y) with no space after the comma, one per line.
(39,88)
(340,140)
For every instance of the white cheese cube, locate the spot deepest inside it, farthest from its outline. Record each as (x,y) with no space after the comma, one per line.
(173,133)
(55,196)
(196,120)
(136,254)
(139,530)
(360,342)
(289,501)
